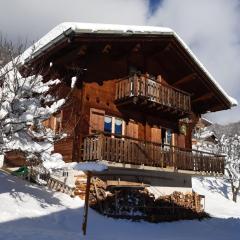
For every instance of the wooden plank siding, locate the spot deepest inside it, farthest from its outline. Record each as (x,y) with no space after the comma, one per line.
(86,116)
(15,159)
(65,147)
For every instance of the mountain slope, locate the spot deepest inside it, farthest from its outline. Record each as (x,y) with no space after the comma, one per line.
(229,129)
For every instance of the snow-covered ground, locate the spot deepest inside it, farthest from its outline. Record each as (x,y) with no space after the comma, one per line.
(30,212)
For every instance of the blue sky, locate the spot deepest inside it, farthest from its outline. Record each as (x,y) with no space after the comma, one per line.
(153,5)
(210,28)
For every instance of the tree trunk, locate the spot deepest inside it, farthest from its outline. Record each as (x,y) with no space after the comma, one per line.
(234,198)
(235,191)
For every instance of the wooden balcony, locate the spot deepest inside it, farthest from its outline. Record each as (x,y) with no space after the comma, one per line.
(127,150)
(152,94)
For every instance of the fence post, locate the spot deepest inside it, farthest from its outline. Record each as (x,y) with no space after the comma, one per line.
(85,216)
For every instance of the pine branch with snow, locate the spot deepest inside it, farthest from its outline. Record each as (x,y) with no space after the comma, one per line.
(25,103)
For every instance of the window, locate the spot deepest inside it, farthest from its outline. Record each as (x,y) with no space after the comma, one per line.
(113,125)
(118,126)
(108,124)
(168,138)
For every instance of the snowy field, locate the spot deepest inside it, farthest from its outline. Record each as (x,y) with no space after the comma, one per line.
(29,212)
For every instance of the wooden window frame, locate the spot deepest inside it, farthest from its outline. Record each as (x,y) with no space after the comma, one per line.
(113,124)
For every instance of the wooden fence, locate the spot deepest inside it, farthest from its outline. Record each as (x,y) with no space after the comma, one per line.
(154,92)
(133,151)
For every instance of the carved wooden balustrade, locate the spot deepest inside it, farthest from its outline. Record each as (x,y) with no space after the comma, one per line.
(128,150)
(153,94)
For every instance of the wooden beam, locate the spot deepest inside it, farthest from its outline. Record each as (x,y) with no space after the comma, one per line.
(85,215)
(159,53)
(107,49)
(70,55)
(203,97)
(185,79)
(168,47)
(82,50)
(136,48)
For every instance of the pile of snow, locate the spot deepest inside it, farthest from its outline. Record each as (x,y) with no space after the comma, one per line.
(31,212)
(90,166)
(54,161)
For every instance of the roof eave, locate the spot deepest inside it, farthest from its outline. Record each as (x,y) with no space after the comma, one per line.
(229,101)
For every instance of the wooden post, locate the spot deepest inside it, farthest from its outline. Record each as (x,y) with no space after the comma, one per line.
(85,214)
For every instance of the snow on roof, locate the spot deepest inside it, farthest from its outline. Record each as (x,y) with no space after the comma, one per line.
(206,121)
(64,29)
(206,134)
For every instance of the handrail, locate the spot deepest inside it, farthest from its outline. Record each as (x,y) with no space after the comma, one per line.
(150,142)
(169,86)
(154,80)
(138,152)
(154,91)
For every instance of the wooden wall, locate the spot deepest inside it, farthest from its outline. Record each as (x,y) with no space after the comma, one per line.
(14,159)
(96,90)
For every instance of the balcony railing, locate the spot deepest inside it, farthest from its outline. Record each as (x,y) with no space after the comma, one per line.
(145,88)
(127,150)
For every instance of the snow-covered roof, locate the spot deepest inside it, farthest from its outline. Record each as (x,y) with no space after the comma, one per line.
(64,29)
(207,134)
(206,121)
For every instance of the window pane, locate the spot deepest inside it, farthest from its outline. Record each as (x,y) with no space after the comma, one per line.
(168,136)
(107,124)
(118,126)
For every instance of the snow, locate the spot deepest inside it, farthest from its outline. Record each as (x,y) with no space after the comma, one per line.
(54,161)
(31,212)
(26,102)
(218,197)
(90,166)
(63,29)
(206,121)
(206,134)
(1,160)
(73,82)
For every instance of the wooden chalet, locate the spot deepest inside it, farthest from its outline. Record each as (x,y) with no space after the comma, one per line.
(140,92)
(204,137)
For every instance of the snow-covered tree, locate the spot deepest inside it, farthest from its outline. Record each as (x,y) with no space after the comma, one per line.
(231,147)
(25,103)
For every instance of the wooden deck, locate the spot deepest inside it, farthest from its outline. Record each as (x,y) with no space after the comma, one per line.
(133,151)
(153,94)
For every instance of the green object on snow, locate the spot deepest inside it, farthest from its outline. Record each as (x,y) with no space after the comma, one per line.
(22,171)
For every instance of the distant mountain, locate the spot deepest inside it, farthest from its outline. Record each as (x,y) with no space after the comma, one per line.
(230,129)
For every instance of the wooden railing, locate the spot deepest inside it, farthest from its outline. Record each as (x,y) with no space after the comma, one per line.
(154,91)
(133,151)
